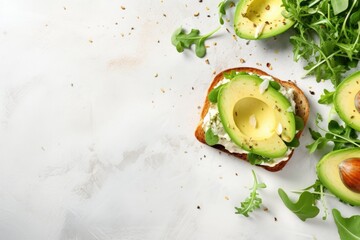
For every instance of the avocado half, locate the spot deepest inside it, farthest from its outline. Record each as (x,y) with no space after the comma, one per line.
(258,19)
(253,118)
(347,100)
(328,171)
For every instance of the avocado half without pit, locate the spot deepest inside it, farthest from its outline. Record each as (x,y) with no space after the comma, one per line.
(339,171)
(257,19)
(259,122)
(347,100)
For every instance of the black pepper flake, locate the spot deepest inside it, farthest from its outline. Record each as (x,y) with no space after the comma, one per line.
(312,92)
(275,219)
(198,207)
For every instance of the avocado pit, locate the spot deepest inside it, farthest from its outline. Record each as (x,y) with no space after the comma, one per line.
(349,171)
(357,101)
(254,118)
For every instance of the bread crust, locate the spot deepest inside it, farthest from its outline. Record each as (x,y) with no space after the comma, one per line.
(302,110)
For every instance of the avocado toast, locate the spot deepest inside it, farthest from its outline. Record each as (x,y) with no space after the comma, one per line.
(260,123)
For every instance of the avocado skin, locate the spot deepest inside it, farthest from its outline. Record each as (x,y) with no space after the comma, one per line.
(328,172)
(271,146)
(344,100)
(246,29)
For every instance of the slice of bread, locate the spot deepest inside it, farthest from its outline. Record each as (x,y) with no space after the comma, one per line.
(302,110)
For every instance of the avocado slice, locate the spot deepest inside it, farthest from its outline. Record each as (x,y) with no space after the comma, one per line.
(347,100)
(329,174)
(258,19)
(252,119)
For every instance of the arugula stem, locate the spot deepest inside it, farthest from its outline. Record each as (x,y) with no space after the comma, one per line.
(200,37)
(321,62)
(323,202)
(339,136)
(314,192)
(346,18)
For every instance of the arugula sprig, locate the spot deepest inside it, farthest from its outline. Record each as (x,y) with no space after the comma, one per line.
(306,207)
(223,5)
(327,97)
(327,36)
(340,136)
(253,201)
(182,40)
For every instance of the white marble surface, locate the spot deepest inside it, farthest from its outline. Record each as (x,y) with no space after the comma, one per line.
(97,114)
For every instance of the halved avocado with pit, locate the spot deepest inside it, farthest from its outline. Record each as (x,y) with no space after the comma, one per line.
(347,100)
(252,118)
(258,19)
(334,173)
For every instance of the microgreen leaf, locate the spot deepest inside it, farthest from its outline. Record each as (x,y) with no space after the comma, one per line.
(304,208)
(182,40)
(210,138)
(274,85)
(326,97)
(348,228)
(334,127)
(230,75)
(314,134)
(299,123)
(253,201)
(255,159)
(294,143)
(214,93)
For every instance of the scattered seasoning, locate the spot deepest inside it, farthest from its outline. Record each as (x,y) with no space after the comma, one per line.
(198,107)
(267,7)
(91,41)
(215,43)
(132,28)
(236,174)
(192,88)
(227,30)
(234,37)
(200,1)
(214,72)
(219,165)
(312,92)
(123,8)
(266,209)
(158,41)
(227,198)
(242,60)
(268,65)
(248,42)
(207,61)
(164,15)
(208,16)
(162,90)
(156,75)
(275,219)
(196,14)
(64,8)
(198,207)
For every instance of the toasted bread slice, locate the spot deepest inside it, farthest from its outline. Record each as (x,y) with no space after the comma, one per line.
(302,110)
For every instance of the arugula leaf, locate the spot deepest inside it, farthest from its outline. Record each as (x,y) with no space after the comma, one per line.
(294,143)
(326,97)
(314,134)
(255,159)
(304,208)
(230,75)
(348,228)
(182,40)
(222,9)
(299,123)
(253,201)
(275,85)
(210,138)
(213,95)
(339,5)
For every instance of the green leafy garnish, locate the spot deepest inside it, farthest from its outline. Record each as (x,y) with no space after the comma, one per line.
(275,85)
(348,228)
(304,208)
(210,138)
(230,75)
(223,5)
(340,136)
(327,97)
(255,159)
(181,40)
(294,143)
(253,201)
(213,95)
(326,35)
(299,123)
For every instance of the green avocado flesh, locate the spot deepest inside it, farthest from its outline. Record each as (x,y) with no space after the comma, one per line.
(257,19)
(329,174)
(347,100)
(252,118)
